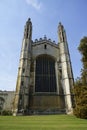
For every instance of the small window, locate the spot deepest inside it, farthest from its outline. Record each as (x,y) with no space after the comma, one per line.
(24,61)
(22,83)
(25,45)
(23,70)
(45,46)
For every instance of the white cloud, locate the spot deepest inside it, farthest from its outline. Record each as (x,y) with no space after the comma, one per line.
(35,3)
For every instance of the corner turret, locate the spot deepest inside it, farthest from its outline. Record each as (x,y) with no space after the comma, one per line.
(28,29)
(21,100)
(67,75)
(61,33)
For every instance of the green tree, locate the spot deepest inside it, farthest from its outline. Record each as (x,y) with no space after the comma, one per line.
(80,109)
(80,89)
(83,50)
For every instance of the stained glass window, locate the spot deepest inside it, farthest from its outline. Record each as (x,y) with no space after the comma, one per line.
(45,79)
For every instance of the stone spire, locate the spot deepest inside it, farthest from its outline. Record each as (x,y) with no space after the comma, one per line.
(67,76)
(28,29)
(61,33)
(21,100)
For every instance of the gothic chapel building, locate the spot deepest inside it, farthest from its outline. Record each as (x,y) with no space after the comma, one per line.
(45,77)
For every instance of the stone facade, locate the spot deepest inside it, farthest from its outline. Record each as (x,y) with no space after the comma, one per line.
(6,100)
(45,77)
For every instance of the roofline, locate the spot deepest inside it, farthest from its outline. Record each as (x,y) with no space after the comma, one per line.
(45,41)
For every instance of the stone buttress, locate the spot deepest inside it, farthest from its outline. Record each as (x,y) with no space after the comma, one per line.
(67,75)
(23,79)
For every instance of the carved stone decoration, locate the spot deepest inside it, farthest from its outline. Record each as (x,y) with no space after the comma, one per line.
(61,33)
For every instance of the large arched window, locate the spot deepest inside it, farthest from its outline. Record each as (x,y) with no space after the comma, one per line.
(45,79)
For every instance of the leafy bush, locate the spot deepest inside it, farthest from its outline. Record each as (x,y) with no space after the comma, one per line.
(6,113)
(80,109)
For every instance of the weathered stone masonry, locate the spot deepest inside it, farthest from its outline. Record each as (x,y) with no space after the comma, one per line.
(45,76)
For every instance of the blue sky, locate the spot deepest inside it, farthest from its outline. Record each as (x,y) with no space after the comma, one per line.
(45,16)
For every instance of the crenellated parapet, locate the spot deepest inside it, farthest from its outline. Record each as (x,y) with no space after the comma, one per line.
(44,40)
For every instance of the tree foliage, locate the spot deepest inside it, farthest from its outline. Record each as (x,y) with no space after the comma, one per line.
(80,109)
(83,50)
(83,47)
(80,89)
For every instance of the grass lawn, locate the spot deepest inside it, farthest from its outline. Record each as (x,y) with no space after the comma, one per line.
(46,122)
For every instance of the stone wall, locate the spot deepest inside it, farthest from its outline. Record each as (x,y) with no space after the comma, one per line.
(6,100)
(47,101)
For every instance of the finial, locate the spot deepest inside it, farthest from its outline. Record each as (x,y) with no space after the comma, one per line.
(45,38)
(60,23)
(29,19)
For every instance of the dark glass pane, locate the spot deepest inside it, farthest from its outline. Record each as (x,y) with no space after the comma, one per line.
(45,80)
